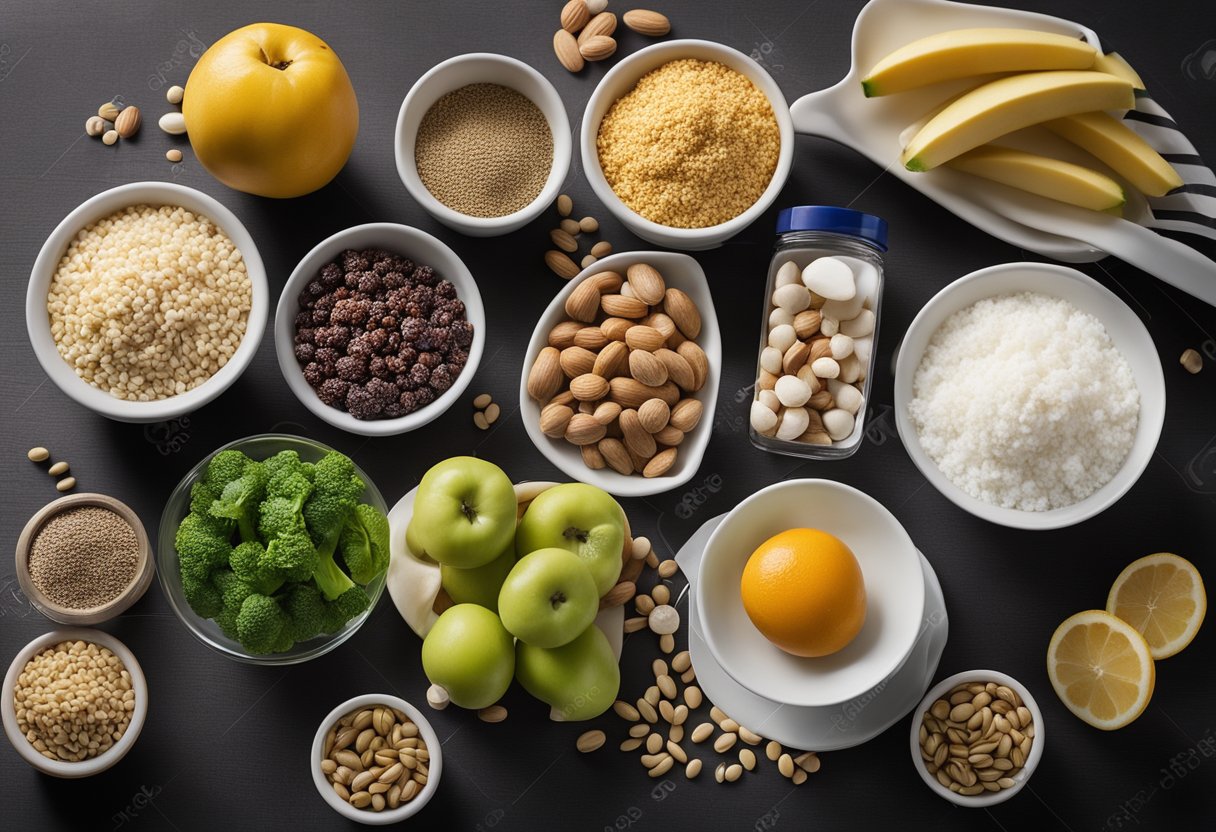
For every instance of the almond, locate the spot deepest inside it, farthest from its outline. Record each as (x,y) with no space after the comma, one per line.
(637,440)
(698,360)
(662,322)
(554,418)
(591,338)
(597,48)
(611,359)
(647,283)
(646,368)
(670,436)
(563,240)
(642,337)
(654,414)
(603,23)
(621,592)
(128,121)
(584,302)
(575,361)
(575,16)
(660,463)
(589,387)
(820,348)
(767,380)
(565,397)
(586,407)
(686,414)
(628,392)
(615,454)
(821,401)
(639,462)
(562,335)
(607,282)
(644,22)
(561,265)
(566,49)
(545,377)
(668,392)
(678,369)
(592,457)
(683,311)
(607,412)
(806,323)
(584,430)
(615,328)
(795,357)
(619,306)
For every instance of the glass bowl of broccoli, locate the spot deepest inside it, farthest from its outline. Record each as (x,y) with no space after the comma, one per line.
(274,549)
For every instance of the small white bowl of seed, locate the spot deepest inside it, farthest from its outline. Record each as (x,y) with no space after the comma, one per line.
(376,760)
(977,737)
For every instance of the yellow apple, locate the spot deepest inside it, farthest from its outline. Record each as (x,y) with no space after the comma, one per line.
(271,111)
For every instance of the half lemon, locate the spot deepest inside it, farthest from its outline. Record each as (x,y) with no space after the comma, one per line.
(1162,596)
(1101,669)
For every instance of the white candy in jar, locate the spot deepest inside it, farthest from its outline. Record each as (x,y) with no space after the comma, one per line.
(825,367)
(828,326)
(830,278)
(838,423)
(778,317)
(860,326)
(787,274)
(770,360)
(769,399)
(794,422)
(764,420)
(793,298)
(849,369)
(782,337)
(841,345)
(792,391)
(846,396)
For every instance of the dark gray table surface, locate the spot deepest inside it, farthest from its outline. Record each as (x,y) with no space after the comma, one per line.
(226,745)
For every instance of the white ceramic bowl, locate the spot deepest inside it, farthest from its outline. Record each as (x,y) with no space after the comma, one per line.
(1129,337)
(367,816)
(681,272)
(895,593)
(481,68)
(102,205)
(409,242)
(621,79)
(95,765)
(979,801)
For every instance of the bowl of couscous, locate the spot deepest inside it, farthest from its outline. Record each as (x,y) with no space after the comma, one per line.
(147,302)
(687,142)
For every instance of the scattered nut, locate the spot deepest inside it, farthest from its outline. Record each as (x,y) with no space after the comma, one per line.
(38,454)
(1192,361)
(109,137)
(173,155)
(175,94)
(108,111)
(95,126)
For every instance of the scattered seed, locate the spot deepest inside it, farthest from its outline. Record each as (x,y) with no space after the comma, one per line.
(590,741)
(773,750)
(720,772)
(632,744)
(676,733)
(747,758)
(641,548)
(653,695)
(109,137)
(688,676)
(482,401)
(663,767)
(667,711)
(652,560)
(654,743)
(785,765)
(667,643)
(644,604)
(750,737)
(733,772)
(437,697)
(494,713)
(108,111)
(38,454)
(725,742)
(57,469)
(701,732)
(632,625)
(173,155)
(692,769)
(589,225)
(659,668)
(95,126)
(681,662)
(602,249)
(625,711)
(565,205)
(667,686)
(175,94)
(647,711)
(674,749)
(479,419)
(639,731)
(668,568)
(588,260)
(799,777)
(661,594)
(492,413)
(729,725)
(808,762)
(66,484)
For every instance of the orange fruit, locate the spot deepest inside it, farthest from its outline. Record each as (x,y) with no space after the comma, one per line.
(804,591)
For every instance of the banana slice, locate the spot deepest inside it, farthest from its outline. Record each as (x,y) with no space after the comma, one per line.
(1042,175)
(1114,143)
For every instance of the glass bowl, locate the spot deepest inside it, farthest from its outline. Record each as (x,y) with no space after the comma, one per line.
(167,568)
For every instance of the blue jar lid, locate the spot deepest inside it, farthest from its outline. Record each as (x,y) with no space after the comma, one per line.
(866,227)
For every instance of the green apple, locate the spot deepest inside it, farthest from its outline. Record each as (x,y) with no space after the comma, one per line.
(469,654)
(549,598)
(582,519)
(464,513)
(479,585)
(580,680)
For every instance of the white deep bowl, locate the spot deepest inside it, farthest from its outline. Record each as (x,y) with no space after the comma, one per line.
(367,816)
(481,68)
(102,205)
(409,242)
(939,690)
(681,272)
(95,765)
(1126,332)
(890,566)
(620,80)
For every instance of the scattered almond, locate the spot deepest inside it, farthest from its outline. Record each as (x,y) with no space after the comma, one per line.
(602,24)
(561,264)
(575,16)
(644,22)
(597,48)
(128,121)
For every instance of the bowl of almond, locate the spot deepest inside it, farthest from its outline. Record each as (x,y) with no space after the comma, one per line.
(621,376)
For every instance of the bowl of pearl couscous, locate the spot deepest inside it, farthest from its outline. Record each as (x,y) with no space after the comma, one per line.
(147,302)
(687,142)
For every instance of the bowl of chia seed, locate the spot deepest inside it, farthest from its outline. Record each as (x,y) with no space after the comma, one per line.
(84,559)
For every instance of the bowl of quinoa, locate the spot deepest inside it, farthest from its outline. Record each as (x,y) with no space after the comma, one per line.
(687,142)
(1029,395)
(147,302)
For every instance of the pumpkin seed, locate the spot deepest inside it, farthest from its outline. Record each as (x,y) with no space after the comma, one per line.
(667,642)
(681,661)
(799,777)
(773,750)
(667,686)
(590,741)
(747,758)
(785,765)
(647,711)
(674,749)
(626,711)
(653,694)
(654,743)
(733,772)
(692,769)
(667,711)
(632,744)
(639,730)
(725,742)
(663,767)
(702,732)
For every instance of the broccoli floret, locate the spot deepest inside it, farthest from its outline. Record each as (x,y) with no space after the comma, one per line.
(225,467)
(233,592)
(364,543)
(336,492)
(200,546)
(345,607)
(282,461)
(250,564)
(260,625)
(201,593)
(280,516)
(241,498)
(307,611)
(292,556)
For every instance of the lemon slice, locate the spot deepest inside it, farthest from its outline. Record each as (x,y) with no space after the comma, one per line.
(1101,669)
(1161,596)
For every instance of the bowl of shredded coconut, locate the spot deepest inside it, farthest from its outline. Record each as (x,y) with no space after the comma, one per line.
(1029,395)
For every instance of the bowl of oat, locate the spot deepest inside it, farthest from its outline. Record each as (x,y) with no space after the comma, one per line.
(687,142)
(147,302)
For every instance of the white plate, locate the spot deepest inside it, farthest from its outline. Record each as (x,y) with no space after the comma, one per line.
(681,272)
(413,583)
(827,728)
(1129,337)
(895,593)
(872,126)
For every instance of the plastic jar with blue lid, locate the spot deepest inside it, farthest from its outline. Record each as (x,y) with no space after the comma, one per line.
(824,343)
